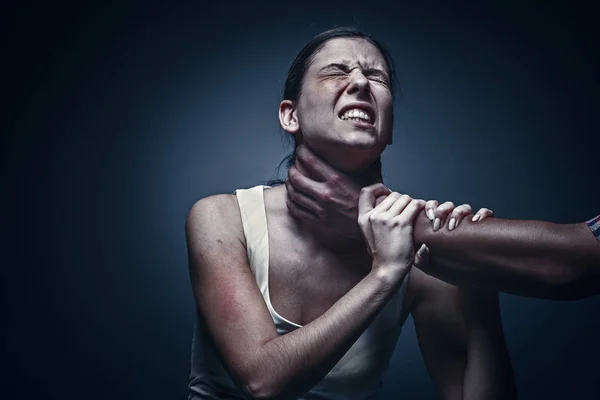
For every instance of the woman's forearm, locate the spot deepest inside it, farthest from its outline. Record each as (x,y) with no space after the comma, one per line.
(530,258)
(488,372)
(293,363)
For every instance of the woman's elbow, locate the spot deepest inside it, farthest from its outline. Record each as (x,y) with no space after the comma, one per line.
(259,389)
(266,390)
(265,386)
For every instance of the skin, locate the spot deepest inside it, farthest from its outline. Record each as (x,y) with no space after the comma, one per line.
(528,258)
(337,295)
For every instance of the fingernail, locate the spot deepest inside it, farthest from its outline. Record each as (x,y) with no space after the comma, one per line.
(430,214)
(452,223)
(422,251)
(475,218)
(436,224)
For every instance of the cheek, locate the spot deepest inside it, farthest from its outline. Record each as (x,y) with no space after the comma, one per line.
(314,106)
(334,85)
(326,91)
(387,109)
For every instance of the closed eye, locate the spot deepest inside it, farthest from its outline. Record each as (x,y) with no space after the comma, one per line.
(378,77)
(334,72)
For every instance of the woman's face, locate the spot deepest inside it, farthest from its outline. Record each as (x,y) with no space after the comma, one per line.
(345,110)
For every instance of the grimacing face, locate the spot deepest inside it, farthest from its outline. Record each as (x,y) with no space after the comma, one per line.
(345,109)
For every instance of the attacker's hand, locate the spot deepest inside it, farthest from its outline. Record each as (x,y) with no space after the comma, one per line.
(326,194)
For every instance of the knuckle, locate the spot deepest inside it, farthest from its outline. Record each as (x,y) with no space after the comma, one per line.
(292,173)
(293,196)
(462,208)
(327,196)
(291,190)
(377,219)
(443,210)
(417,203)
(310,160)
(292,209)
(336,179)
(405,197)
(402,222)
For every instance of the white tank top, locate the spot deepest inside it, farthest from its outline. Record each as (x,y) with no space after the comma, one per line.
(358,373)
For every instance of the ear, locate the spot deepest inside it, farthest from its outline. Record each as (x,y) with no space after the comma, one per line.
(288,117)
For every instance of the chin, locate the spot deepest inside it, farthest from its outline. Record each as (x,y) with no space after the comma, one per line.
(356,148)
(353,157)
(363,145)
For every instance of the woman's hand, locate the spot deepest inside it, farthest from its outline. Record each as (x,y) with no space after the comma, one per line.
(440,213)
(388,230)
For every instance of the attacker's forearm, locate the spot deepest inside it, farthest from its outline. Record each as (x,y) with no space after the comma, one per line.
(529,258)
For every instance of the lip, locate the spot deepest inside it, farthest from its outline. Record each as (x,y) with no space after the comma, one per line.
(361,106)
(362,124)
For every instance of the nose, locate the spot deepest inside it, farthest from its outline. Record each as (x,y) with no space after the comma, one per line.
(358,82)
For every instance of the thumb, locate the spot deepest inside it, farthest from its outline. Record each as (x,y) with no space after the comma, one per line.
(422,256)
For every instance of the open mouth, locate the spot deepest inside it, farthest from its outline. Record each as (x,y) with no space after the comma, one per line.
(357,115)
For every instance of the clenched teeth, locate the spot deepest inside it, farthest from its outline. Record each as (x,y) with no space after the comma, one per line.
(356,113)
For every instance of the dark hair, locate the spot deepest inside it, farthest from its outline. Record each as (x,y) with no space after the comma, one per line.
(293,83)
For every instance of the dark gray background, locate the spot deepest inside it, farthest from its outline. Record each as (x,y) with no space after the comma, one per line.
(120,117)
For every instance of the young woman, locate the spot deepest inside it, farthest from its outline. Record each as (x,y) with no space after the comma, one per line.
(289,308)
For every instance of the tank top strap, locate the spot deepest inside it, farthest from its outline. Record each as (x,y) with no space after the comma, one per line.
(254,221)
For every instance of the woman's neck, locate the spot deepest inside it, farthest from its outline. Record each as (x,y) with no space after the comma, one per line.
(327,234)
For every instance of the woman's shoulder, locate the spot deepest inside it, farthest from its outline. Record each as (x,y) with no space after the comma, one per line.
(219,203)
(218,213)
